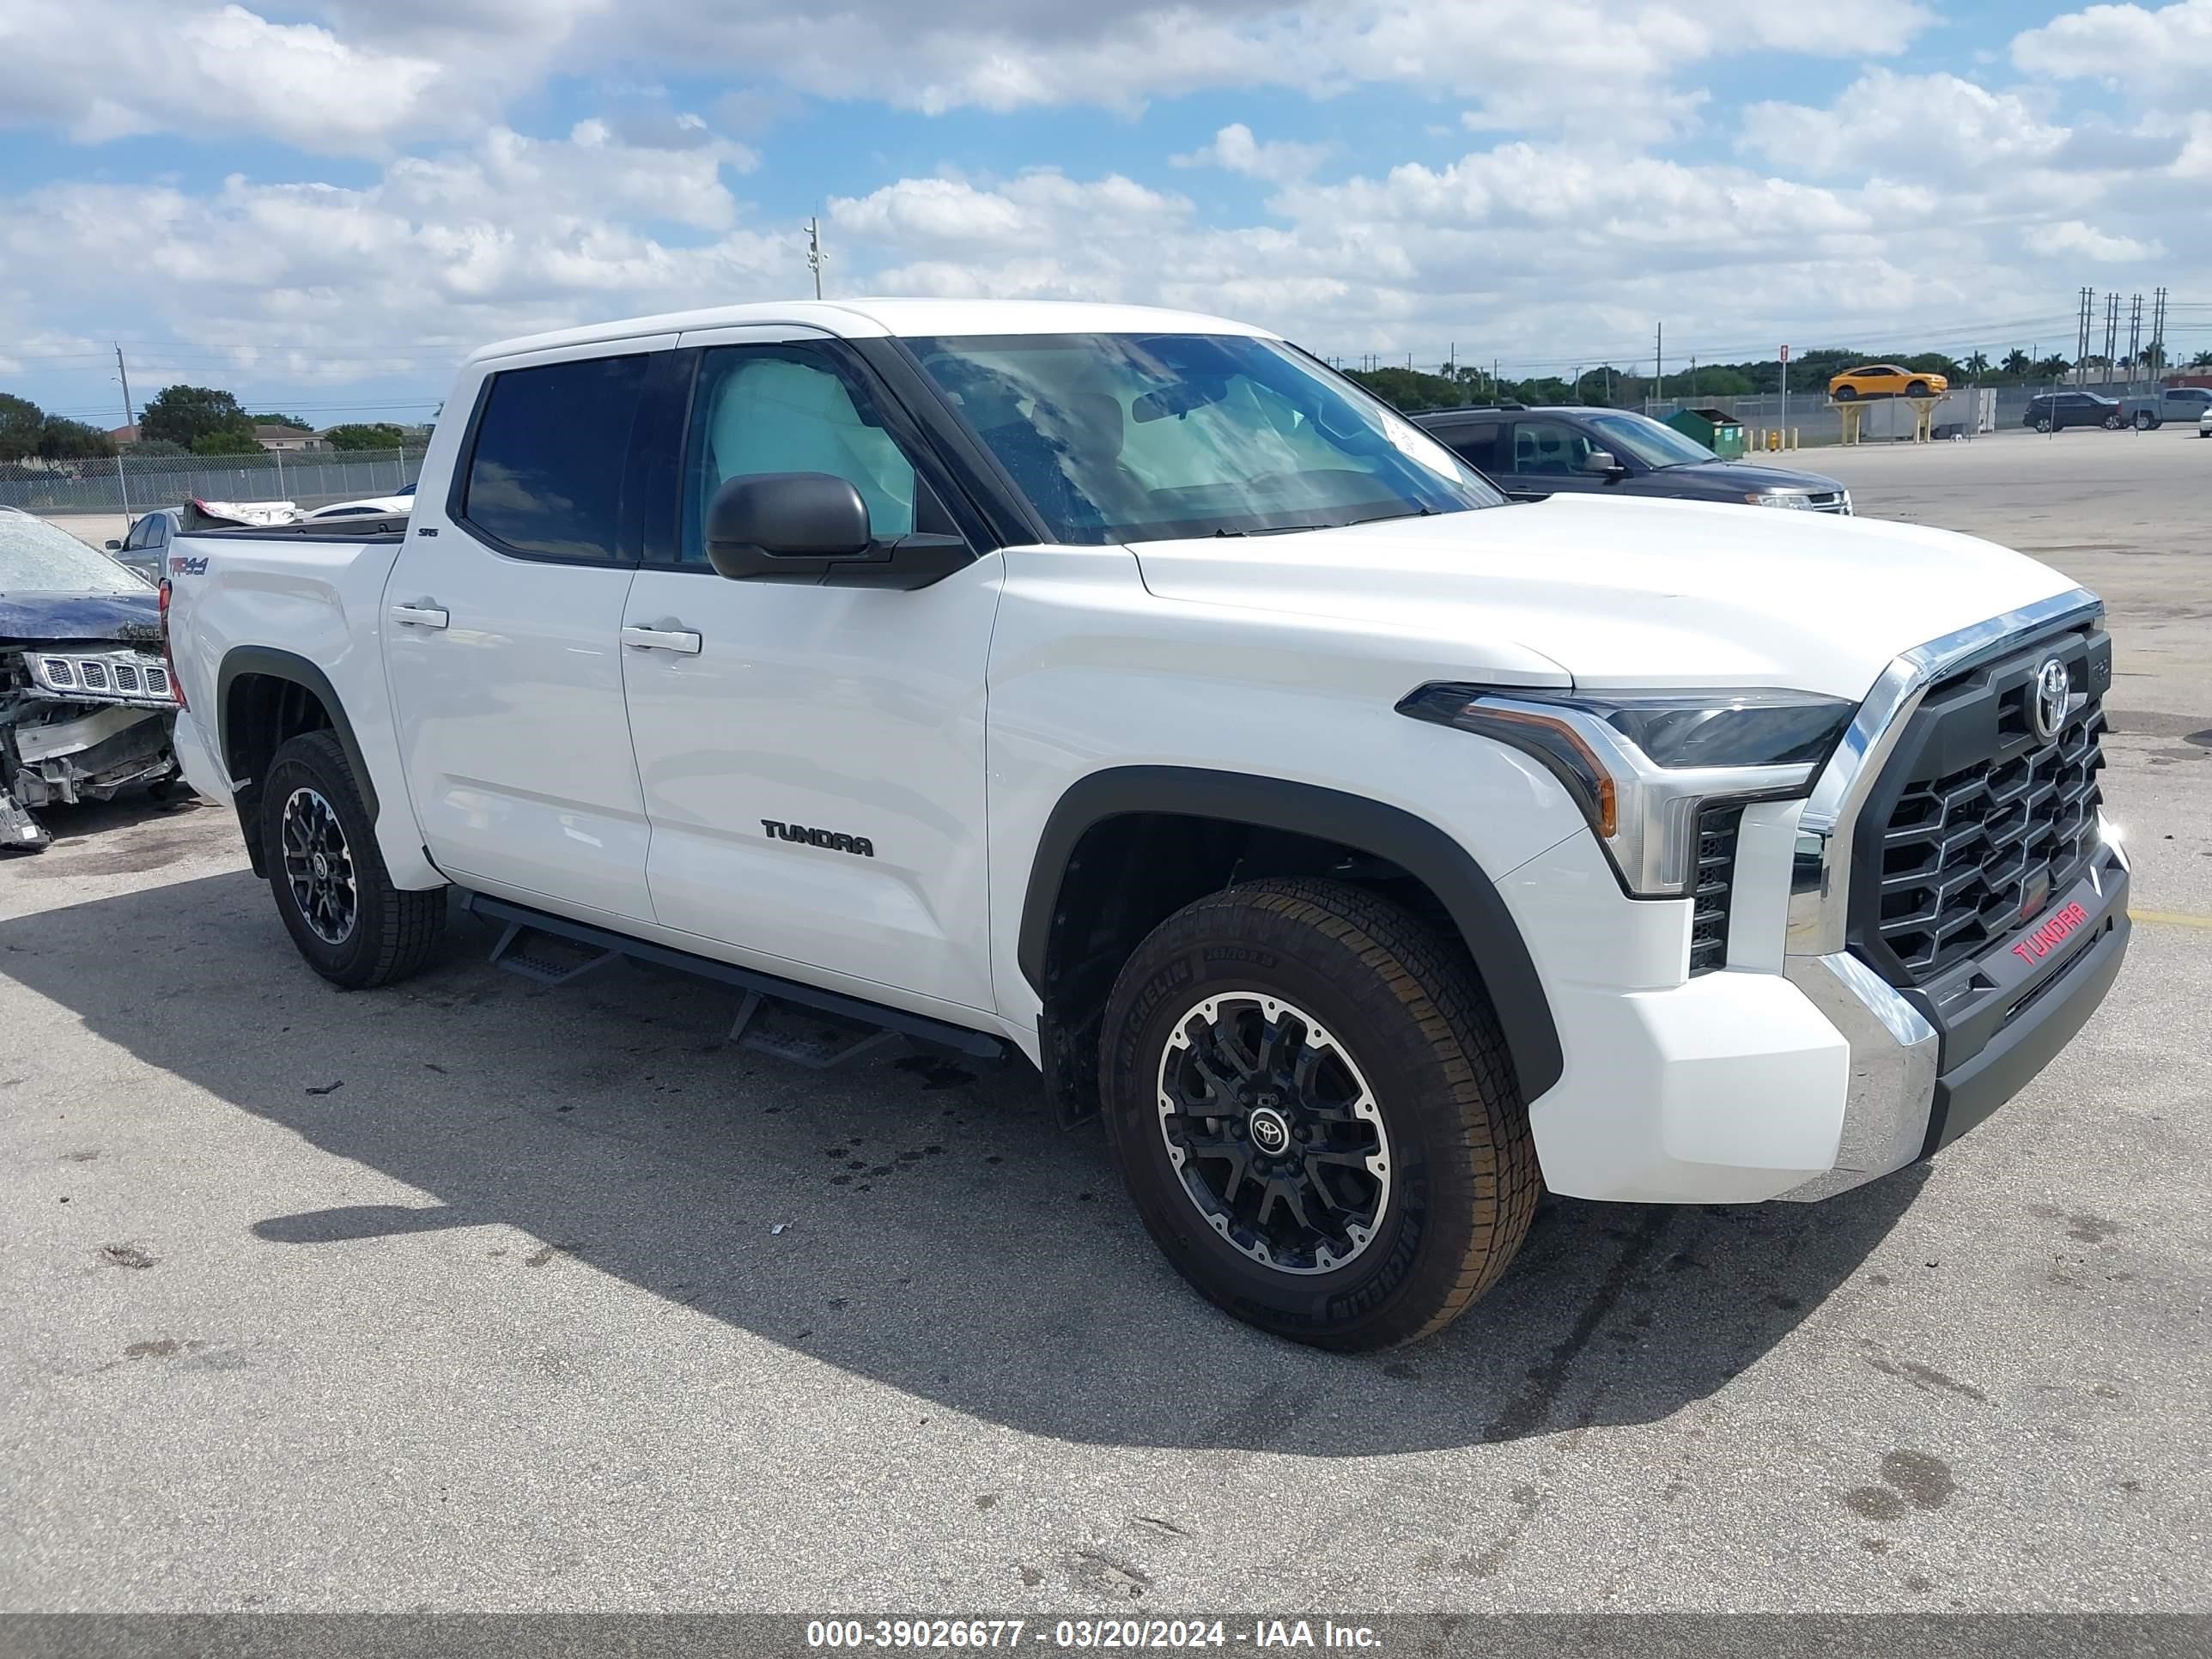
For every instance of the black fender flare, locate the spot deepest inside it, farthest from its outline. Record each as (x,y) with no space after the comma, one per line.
(1412,844)
(242,659)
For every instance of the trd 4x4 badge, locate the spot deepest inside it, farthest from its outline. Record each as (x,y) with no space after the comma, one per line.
(835,841)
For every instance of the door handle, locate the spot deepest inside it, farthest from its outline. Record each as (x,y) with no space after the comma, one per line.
(681,640)
(424,615)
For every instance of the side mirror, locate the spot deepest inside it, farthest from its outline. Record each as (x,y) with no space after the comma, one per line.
(1601,461)
(812,527)
(786,526)
(114,546)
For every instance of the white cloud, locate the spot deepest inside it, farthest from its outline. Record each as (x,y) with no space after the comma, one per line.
(368,75)
(2152,52)
(1234,149)
(2075,237)
(110,71)
(317,282)
(1904,126)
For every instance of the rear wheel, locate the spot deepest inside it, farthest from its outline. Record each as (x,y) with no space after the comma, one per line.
(352,925)
(2145,421)
(1310,1102)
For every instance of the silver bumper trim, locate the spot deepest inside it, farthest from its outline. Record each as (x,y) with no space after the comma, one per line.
(1892,1086)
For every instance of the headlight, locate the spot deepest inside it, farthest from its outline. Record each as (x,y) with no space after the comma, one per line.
(1797,499)
(1641,764)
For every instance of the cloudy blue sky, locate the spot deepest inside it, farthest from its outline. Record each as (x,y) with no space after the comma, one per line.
(322,206)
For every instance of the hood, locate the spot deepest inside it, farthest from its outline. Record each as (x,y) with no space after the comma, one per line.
(1624,592)
(1742,477)
(135,618)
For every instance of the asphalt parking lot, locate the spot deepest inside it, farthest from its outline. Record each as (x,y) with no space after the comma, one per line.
(473,1294)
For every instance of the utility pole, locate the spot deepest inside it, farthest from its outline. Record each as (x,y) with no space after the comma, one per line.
(122,483)
(815,258)
(1659,369)
(2134,337)
(2081,336)
(2157,334)
(2112,331)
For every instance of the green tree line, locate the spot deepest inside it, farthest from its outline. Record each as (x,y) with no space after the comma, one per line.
(1455,385)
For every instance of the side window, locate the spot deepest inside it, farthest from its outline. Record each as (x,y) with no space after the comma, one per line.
(545,474)
(157,531)
(1482,448)
(1548,449)
(788,409)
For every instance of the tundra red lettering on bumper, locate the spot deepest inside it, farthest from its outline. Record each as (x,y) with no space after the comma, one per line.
(2033,947)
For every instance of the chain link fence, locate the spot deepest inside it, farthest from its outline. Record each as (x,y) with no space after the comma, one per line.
(138,484)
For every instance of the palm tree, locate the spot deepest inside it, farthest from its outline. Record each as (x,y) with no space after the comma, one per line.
(2017,363)
(1978,365)
(2202,360)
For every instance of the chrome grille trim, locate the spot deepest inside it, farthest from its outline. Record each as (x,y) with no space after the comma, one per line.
(1820,897)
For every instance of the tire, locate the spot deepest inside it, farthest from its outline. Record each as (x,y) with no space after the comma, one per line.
(2114,424)
(1845,394)
(1385,1014)
(2145,421)
(362,931)
(2044,425)
(1917,389)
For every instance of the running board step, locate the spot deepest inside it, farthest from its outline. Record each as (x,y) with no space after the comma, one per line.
(803,1024)
(804,1036)
(546,957)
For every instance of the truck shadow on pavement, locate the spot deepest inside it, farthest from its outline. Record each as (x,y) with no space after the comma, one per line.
(907,1218)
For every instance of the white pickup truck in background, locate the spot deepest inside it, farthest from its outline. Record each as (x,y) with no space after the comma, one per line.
(1127,690)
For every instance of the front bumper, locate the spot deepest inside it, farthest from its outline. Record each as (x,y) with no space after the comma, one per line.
(1914,1089)
(1799,1071)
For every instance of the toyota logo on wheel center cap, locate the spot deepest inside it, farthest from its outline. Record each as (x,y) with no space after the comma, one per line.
(1271,1131)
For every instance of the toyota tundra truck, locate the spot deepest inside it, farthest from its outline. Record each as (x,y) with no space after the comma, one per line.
(1126,692)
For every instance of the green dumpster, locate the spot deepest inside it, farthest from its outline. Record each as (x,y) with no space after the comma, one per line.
(1716,429)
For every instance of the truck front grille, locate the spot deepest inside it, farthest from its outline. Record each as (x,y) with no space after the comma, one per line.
(1714,883)
(1970,853)
(1830,500)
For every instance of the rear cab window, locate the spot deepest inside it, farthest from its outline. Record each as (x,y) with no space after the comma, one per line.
(548,457)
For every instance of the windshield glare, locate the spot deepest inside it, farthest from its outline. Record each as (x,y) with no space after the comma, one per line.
(1139,437)
(1649,441)
(37,558)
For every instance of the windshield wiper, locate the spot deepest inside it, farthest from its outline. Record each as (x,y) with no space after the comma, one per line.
(1383,518)
(1273,530)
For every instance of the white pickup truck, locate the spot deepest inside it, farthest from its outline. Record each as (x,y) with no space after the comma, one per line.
(1124,688)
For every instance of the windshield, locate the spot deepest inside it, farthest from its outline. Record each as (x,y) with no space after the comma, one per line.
(1649,441)
(1139,437)
(37,558)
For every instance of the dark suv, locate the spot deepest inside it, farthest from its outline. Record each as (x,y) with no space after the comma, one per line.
(1530,453)
(2054,412)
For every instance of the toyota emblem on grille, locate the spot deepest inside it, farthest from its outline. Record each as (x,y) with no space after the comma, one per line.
(2053,691)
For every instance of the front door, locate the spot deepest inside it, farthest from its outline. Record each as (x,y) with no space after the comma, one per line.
(1547,457)
(812,757)
(501,622)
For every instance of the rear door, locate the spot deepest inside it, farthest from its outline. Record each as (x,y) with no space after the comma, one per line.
(502,620)
(813,756)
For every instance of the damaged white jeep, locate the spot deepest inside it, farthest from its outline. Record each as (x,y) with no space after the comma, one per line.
(86,704)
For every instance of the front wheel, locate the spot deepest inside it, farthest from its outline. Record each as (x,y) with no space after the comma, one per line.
(2044,425)
(2113,423)
(1844,394)
(337,899)
(1311,1104)
(1917,389)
